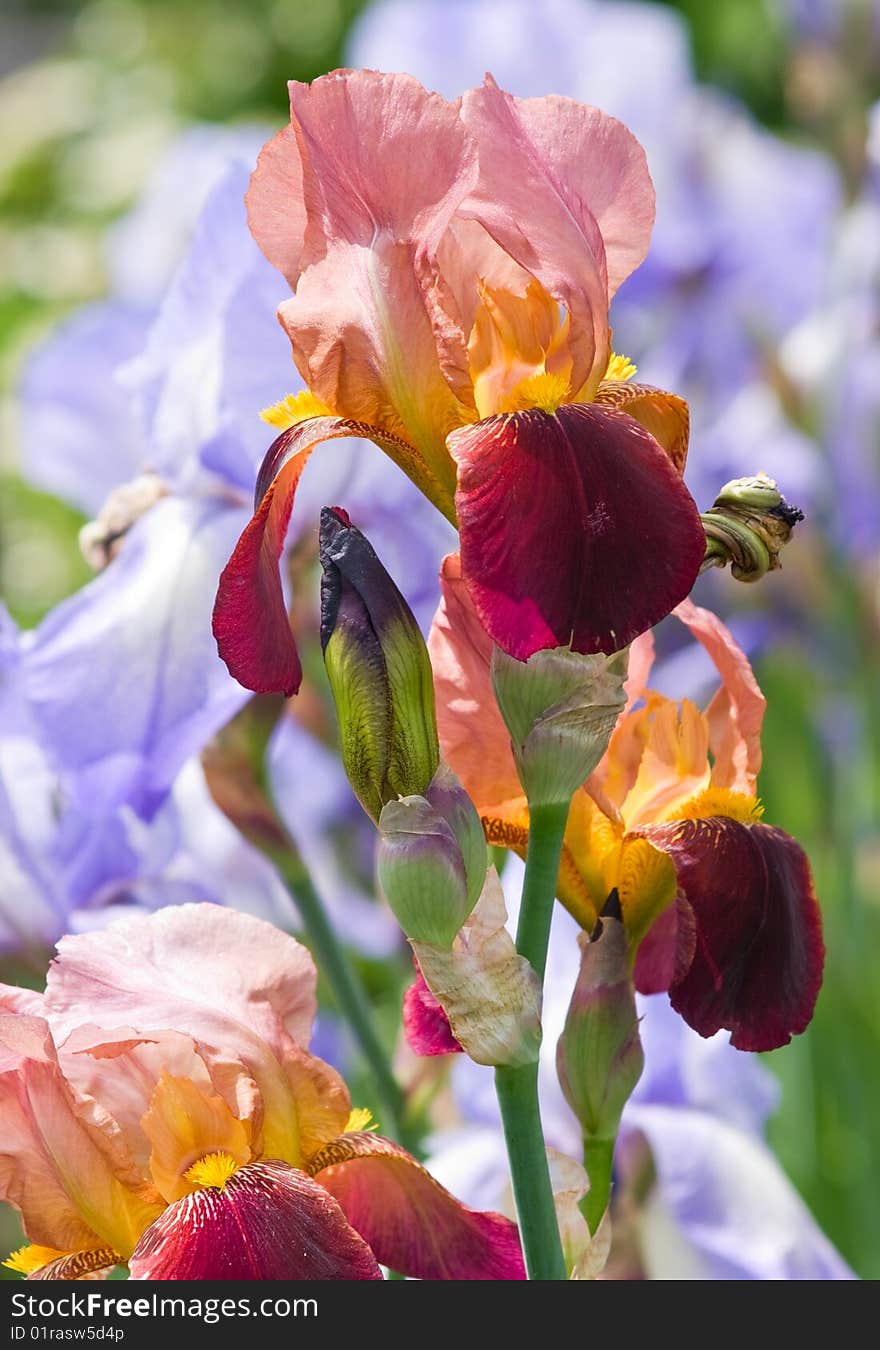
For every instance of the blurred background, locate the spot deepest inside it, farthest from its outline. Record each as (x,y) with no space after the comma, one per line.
(759,303)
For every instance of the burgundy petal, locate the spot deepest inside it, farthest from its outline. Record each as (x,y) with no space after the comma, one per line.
(425,1024)
(270,1222)
(757,964)
(250,618)
(666,951)
(574,527)
(411,1222)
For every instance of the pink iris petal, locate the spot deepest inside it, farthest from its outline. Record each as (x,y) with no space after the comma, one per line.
(275,204)
(377,166)
(270,1222)
(411,1222)
(575,527)
(757,964)
(565,190)
(425,1024)
(222,978)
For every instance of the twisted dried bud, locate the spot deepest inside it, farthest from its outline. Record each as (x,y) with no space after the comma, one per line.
(101,539)
(747,526)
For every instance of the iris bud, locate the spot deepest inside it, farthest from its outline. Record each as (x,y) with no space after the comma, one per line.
(432,859)
(747,526)
(378,668)
(599,1056)
(560,709)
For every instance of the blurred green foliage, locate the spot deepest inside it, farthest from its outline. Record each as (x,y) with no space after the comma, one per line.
(94,90)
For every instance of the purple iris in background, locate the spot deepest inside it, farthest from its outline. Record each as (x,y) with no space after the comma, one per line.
(65,869)
(700,1195)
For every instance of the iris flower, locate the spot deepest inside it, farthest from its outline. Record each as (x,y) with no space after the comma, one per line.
(160,1108)
(452,265)
(718,905)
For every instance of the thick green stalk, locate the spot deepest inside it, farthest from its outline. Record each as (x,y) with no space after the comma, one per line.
(517,1088)
(334,964)
(598,1160)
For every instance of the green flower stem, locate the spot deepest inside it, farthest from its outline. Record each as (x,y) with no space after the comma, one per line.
(598,1159)
(335,965)
(517,1088)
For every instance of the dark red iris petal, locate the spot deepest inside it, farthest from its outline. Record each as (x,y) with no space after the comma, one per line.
(425,1024)
(758,954)
(270,1222)
(250,617)
(666,951)
(575,526)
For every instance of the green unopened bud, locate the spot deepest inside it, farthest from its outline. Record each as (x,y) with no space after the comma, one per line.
(432,860)
(748,525)
(599,1056)
(378,668)
(560,709)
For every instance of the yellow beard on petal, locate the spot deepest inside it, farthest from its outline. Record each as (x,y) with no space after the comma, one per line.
(619,368)
(293,409)
(214,1170)
(716,801)
(359,1119)
(31,1257)
(541,390)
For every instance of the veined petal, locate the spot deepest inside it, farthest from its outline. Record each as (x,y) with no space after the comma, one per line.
(591,178)
(666,416)
(250,618)
(736,712)
(269,1222)
(575,527)
(757,963)
(411,1222)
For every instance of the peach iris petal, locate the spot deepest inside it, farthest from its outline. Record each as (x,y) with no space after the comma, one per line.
(113,1073)
(674,760)
(410,1221)
(385,165)
(473,738)
(54,1166)
(241,990)
(276,205)
(736,712)
(565,190)
(184,1123)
